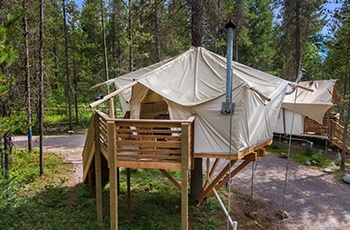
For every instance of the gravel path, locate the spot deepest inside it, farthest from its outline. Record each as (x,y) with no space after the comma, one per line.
(313,200)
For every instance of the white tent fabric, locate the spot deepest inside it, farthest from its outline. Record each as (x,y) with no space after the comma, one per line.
(311,104)
(286,116)
(195,83)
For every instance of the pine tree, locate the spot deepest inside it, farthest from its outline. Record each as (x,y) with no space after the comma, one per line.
(259,51)
(299,20)
(338,62)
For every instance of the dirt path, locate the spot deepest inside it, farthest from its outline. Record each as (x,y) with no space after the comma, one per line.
(313,200)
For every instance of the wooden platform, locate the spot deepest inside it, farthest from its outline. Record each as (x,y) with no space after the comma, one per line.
(154,144)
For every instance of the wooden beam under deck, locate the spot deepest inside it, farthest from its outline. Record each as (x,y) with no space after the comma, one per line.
(233,156)
(222,178)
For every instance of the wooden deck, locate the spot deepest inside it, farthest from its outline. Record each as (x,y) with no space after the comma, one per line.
(331,129)
(154,144)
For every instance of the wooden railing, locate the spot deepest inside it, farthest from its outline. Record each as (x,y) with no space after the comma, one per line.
(140,143)
(312,127)
(333,128)
(89,147)
(337,130)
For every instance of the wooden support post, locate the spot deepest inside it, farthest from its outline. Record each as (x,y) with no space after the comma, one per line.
(90,179)
(112,175)
(118,178)
(111,107)
(128,190)
(98,172)
(261,152)
(185,155)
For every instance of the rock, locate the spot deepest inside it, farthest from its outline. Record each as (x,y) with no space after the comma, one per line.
(346,178)
(327,170)
(283,155)
(307,163)
(282,214)
(70,132)
(251,215)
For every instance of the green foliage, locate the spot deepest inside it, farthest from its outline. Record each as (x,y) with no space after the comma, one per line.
(318,158)
(16,123)
(7,57)
(28,201)
(259,52)
(289,34)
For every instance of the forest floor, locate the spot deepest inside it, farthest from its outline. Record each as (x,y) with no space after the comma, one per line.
(313,199)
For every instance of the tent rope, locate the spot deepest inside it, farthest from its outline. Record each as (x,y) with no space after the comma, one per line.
(289,148)
(254,166)
(230,157)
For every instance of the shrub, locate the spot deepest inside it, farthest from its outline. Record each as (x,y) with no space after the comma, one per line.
(318,158)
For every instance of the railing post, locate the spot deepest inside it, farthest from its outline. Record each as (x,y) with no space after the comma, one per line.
(113,180)
(185,154)
(98,171)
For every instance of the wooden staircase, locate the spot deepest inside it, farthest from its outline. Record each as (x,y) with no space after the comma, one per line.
(337,129)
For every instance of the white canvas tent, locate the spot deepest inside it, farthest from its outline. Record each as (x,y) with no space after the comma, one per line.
(194,83)
(313,105)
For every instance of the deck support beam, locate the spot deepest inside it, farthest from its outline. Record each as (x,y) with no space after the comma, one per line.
(222,178)
(98,171)
(112,175)
(185,169)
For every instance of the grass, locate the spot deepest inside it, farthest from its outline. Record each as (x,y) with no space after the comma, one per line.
(30,201)
(318,158)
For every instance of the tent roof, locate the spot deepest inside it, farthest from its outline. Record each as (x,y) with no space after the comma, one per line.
(198,76)
(313,104)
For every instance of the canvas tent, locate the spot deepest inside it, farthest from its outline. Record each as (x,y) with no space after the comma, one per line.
(194,83)
(313,105)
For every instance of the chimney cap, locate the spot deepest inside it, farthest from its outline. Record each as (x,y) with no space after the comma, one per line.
(230,24)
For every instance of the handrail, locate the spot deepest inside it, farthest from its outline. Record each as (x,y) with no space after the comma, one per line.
(190,119)
(104,116)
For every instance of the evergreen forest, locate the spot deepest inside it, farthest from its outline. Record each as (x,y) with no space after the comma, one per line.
(53,51)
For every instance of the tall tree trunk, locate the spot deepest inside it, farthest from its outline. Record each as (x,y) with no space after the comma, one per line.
(239,25)
(26,66)
(112,43)
(345,132)
(156,32)
(104,43)
(197,34)
(345,92)
(131,56)
(297,39)
(197,22)
(41,87)
(75,86)
(110,101)
(69,89)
